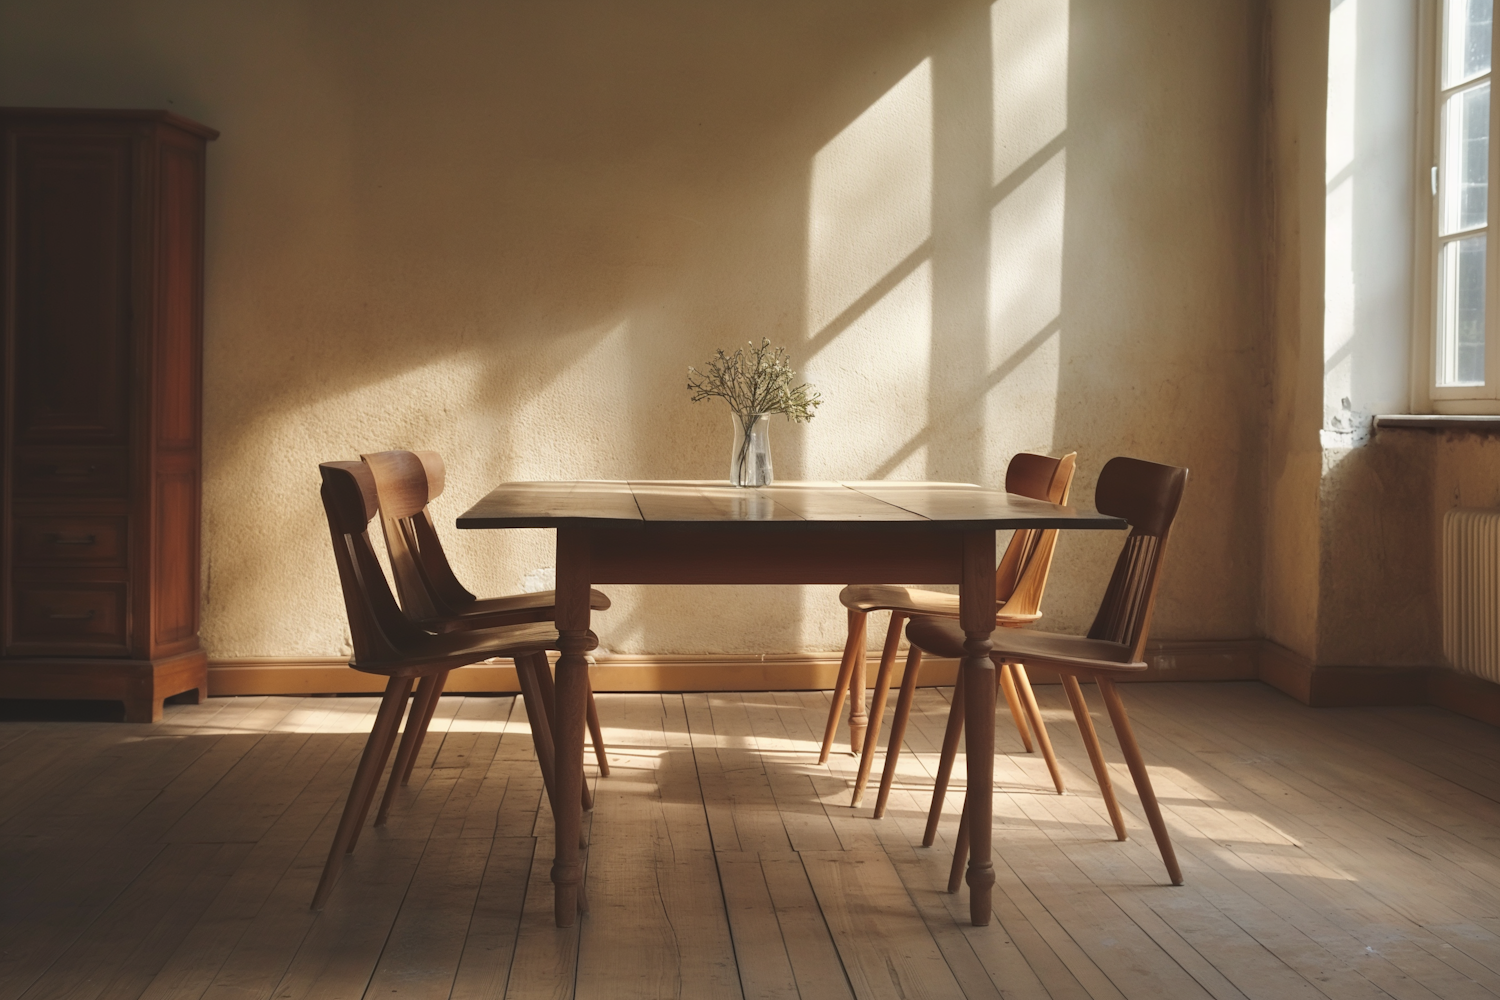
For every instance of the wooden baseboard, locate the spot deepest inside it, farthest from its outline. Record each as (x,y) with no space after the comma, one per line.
(1465,694)
(1334,686)
(1170,661)
(1350,687)
(608,673)
(1286,671)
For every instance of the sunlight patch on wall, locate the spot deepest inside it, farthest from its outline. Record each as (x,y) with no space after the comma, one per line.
(880,364)
(870,199)
(1029,53)
(1029,50)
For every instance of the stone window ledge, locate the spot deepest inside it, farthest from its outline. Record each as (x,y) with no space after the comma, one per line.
(1480,423)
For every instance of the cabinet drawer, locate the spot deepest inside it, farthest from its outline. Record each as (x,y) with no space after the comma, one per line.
(69,617)
(62,472)
(70,541)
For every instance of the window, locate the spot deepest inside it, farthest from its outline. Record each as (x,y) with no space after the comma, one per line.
(1465,359)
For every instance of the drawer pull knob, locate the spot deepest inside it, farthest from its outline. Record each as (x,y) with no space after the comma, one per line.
(59,616)
(64,540)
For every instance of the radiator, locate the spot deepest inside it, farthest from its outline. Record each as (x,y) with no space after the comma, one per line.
(1471,591)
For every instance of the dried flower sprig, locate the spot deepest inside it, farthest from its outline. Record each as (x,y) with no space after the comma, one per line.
(758,382)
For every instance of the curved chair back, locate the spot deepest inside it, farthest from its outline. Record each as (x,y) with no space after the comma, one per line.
(406,482)
(377,627)
(1021,577)
(1147,496)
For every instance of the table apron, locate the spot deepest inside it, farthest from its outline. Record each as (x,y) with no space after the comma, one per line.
(754,554)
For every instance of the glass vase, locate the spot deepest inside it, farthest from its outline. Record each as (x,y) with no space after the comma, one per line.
(750,451)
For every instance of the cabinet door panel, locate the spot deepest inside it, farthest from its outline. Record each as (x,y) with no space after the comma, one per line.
(175,587)
(176,350)
(72,289)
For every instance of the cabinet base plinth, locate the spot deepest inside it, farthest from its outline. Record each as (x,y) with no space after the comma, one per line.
(141,684)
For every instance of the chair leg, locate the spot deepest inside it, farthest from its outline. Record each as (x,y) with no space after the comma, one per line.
(960,850)
(440,681)
(951,737)
(428,689)
(536,713)
(549,700)
(877,706)
(1096,753)
(597,735)
(385,756)
(1034,711)
(1137,765)
(366,777)
(898,727)
(859,716)
(1013,700)
(854,646)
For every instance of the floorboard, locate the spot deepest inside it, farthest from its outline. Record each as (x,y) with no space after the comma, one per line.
(1341,854)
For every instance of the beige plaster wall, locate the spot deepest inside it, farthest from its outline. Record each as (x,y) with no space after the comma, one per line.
(1296,72)
(503,230)
(1383,525)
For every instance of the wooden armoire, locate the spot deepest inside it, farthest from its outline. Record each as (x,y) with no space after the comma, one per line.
(101,309)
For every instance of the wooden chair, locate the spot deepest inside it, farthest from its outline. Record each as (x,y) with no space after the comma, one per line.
(387,642)
(1020,581)
(405,483)
(1147,496)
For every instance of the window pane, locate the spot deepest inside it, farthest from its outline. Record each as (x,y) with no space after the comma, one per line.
(1466,159)
(1466,44)
(1461,315)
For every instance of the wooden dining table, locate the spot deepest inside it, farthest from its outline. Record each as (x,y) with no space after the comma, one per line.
(684,532)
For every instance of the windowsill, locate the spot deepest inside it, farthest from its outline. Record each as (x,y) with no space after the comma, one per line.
(1437,422)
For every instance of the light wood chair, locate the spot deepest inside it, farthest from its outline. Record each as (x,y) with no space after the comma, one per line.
(405,483)
(1147,496)
(387,642)
(1020,580)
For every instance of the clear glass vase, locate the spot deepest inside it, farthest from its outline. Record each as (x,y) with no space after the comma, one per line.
(750,452)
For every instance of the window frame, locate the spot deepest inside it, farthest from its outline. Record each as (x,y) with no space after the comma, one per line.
(1476,399)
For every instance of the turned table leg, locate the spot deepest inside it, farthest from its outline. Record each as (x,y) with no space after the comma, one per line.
(977,616)
(571,707)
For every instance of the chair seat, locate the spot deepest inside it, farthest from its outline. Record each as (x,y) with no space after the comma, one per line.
(913,601)
(430,654)
(511,610)
(940,637)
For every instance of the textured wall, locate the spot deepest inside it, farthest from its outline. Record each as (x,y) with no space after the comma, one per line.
(1296,108)
(1383,507)
(502,230)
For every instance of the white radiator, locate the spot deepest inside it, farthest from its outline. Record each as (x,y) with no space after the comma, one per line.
(1471,591)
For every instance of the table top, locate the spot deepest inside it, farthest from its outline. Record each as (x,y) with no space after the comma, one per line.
(953,506)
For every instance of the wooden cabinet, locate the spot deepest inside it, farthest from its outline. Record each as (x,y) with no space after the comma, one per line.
(101,305)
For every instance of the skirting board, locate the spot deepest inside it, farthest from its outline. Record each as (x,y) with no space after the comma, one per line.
(1176,661)
(1348,687)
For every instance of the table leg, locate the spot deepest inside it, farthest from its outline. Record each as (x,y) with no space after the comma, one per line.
(977,616)
(573,574)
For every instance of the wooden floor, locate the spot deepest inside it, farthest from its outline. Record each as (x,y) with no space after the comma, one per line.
(1328,853)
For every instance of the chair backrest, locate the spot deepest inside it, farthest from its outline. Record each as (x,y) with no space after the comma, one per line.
(1021,577)
(405,483)
(1147,496)
(379,630)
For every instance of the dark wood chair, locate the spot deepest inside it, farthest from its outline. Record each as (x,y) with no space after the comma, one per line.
(1147,496)
(430,594)
(387,642)
(1020,580)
